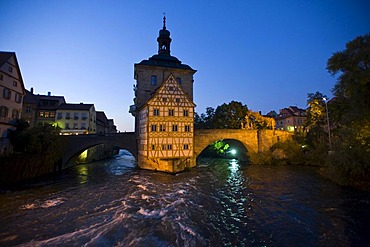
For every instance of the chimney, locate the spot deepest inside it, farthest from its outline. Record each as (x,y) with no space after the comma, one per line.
(49,93)
(31,90)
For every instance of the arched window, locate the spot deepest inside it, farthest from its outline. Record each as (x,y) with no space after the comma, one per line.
(153,80)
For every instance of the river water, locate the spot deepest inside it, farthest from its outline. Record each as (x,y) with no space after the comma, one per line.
(219,203)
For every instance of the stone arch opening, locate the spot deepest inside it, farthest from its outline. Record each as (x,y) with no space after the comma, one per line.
(234,149)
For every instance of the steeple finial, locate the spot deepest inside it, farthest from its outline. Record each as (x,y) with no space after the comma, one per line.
(164,21)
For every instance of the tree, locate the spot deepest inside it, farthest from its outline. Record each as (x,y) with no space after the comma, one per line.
(230,116)
(352,88)
(315,110)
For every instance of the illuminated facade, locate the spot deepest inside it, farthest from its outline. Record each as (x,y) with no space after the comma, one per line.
(75,119)
(12,92)
(164,110)
(291,119)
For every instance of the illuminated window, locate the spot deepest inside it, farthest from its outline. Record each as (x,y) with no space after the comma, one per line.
(187,128)
(41,114)
(153,80)
(162,127)
(174,127)
(186,113)
(52,114)
(154,127)
(186,146)
(156,112)
(170,112)
(46,114)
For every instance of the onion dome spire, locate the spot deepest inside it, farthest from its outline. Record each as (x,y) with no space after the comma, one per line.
(164,40)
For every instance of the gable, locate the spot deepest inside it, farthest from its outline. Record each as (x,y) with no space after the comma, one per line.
(172,91)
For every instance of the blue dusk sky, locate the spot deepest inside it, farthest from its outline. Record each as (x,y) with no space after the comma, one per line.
(265,54)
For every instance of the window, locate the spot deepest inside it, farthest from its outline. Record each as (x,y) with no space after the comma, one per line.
(1,77)
(15,83)
(178,79)
(46,114)
(186,113)
(170,88)
(75,116)
(83,126)
(153,80)
(177,100)
(68,115)
(75,125)
(164,99)
(60,115)
(163,147)
(153,147)
(15,113)
(154,127)
(18,98)
(170,112)
(6,93)
(10,69)
(3,111)
(67,126)
(84,116)
(169,146)
(162,127)
(174,127)
(156,112)
(52,114)
(187,128)
(186,146)
(28,109)
(41,114)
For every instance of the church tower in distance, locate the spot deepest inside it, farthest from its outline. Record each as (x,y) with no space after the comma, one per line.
(164,110)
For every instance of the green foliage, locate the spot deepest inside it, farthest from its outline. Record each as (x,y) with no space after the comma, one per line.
(226,116)
(42,139)
(220,146)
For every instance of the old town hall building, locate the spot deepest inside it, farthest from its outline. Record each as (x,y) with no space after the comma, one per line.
(164,110)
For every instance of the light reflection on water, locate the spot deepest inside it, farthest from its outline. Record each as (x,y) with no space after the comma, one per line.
(219,203)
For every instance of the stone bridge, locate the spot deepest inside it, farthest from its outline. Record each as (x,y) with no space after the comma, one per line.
(252,140)
(76,144)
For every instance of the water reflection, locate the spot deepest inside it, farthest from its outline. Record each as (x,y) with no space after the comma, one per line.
(83,172)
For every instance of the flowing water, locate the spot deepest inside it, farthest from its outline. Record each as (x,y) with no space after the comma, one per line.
(218,203)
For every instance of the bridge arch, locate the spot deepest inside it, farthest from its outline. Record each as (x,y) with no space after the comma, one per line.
(203,138)
(76,144)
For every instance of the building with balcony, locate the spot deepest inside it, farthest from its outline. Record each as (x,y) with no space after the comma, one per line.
(12,92)
(75,119)
(164,110)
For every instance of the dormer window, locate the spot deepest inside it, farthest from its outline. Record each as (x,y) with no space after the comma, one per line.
(153,80)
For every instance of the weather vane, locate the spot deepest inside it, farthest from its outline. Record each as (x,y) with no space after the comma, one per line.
(164,20)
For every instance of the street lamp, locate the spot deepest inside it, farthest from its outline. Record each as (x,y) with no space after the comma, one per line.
(327,119)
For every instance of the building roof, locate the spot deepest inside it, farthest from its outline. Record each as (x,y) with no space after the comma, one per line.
(165,60)
(71,106)
(4,57)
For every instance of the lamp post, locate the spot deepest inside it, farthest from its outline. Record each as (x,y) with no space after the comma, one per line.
(327,119)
